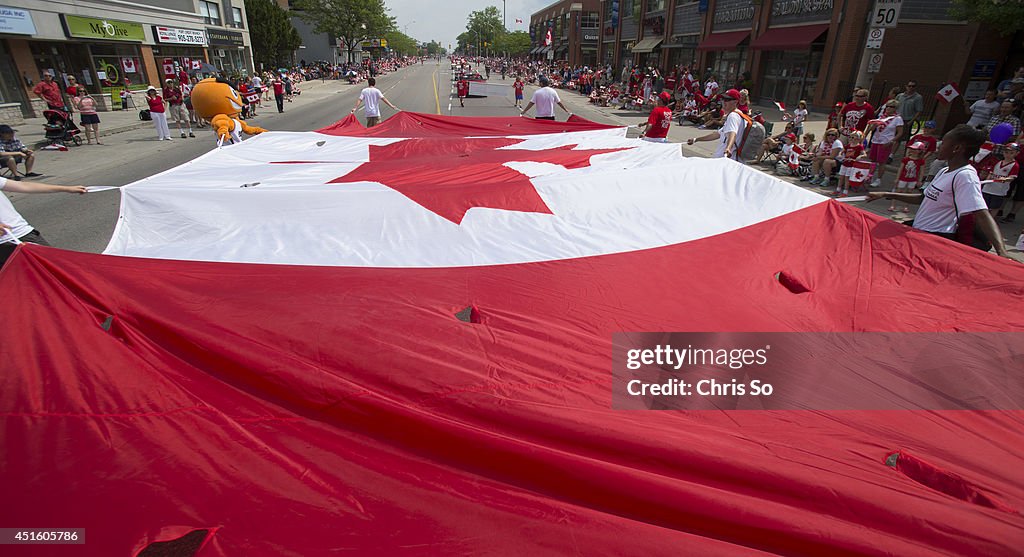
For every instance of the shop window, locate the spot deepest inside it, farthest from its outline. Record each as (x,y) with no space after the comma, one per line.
(236,18)
(210,12)
(655,6)
(590,20)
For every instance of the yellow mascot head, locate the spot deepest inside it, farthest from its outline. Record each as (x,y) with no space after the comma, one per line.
(213,96)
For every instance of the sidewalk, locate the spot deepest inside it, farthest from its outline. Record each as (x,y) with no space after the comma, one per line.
(815,123)
(31,133)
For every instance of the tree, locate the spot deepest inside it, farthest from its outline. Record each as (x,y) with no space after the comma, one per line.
(513,44)
(434,48)
(1007,17)
(402,43)
(482,26)
(274,38)
(350,20)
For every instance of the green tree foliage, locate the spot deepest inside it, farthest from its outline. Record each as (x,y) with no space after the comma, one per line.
(482,26)
(1006,16)
(402,43)
(513,44)
(434,48)
(274,38)
(349,20)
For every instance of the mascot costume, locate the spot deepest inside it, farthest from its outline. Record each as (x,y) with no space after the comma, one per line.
(217,101)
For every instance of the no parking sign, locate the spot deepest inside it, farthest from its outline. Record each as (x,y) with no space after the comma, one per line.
(875,37)
(875,63)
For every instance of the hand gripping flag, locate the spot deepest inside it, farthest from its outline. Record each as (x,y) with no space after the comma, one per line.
(947,93)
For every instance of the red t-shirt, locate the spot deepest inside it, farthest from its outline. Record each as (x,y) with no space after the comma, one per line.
(463,88)
(278,89)
(851,152)
(856,117)
(518,86)
(931,142)
(156,103)
(910,169)
(173,95)
(658,122)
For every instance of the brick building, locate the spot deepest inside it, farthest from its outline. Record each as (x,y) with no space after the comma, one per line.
(788,50)
(574,27)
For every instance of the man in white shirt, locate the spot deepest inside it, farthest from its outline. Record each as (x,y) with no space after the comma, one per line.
(954,193)
(545,98)
(711,88)
(730,135)
(14,229)
(372,97)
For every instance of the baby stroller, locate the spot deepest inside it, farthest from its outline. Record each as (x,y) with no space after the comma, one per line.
(60,128)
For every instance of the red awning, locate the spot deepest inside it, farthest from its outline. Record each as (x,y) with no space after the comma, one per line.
(790,38)
(723,41)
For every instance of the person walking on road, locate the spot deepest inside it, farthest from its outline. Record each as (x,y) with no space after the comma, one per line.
(14,229)
(517,86)
(372,97)
(545,99)
(279,94)
(732,128)
(176,107)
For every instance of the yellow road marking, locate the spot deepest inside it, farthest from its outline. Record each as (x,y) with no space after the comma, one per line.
(437,101)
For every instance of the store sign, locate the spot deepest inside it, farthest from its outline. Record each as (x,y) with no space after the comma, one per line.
(984,68)
(590,36)
(220,37)
(16,21)
(800,7)
(875,37)
(173,35)
(375,43)
(104,29)
(738,11)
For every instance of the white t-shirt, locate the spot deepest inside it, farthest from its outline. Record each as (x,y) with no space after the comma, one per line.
(371,97)
(824,149)
(257,82)
(733,123)
(885,132)
(710,89)
(545,100)
(1000,170)
(960,188)
(799,115)
(981,112)
(11,217)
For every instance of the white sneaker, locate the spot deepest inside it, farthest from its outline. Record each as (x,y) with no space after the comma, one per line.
(875,183)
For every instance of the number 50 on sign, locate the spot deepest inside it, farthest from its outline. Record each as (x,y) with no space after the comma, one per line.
(886,13)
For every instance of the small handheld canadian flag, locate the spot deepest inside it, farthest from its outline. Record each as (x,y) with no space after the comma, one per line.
(860,171)
(782,106)
(547,39)
(947,93)
(518,20)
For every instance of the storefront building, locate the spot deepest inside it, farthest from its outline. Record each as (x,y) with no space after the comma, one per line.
(108,45)
(228,51)
(813,50)
(574,30)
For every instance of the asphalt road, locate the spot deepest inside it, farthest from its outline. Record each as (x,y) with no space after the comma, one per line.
(86,222)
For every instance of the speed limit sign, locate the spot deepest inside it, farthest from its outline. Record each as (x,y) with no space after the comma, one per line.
(886,13)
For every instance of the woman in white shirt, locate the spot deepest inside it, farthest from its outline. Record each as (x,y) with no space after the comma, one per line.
(886,131)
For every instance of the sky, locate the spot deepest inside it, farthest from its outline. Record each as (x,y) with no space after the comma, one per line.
(443,20)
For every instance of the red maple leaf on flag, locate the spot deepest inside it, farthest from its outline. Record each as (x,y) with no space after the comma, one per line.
(451,176)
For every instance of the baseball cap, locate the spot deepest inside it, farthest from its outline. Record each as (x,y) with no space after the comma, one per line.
(664,96)
(917,145)
(4,128)
(1014,146)
(150,88)
(930,124)
(791,136)
(731,94)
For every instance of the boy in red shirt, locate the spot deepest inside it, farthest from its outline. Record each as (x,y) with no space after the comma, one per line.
(518,88)
(462,90)
(659,121)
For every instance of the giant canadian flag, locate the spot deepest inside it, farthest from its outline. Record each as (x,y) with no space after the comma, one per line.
(397,341)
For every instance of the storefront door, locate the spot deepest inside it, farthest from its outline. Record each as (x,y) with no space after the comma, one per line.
(790,75)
